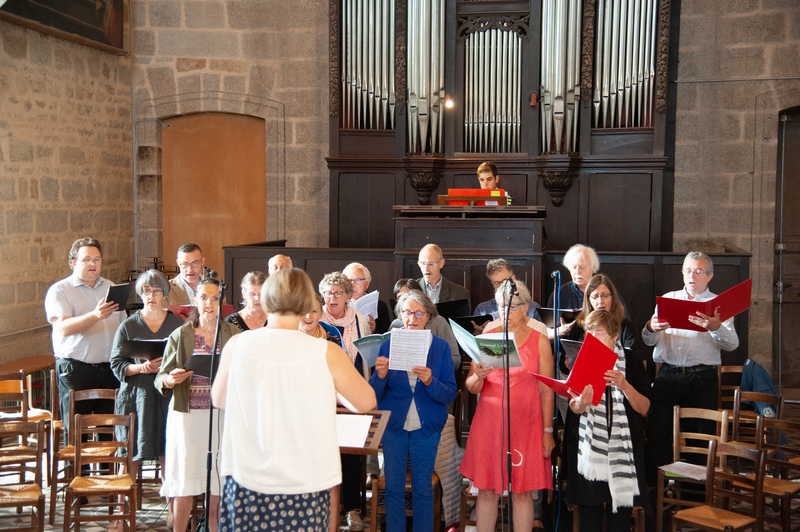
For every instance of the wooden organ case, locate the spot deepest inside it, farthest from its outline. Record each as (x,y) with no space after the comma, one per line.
(566,97)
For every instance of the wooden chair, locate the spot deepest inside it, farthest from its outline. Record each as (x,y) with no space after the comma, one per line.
(380,484)
(782,461)
(744,421)
(637,519)
(65,475)
(120,489)
(724,488)
(729,379)
(686,447)
(13,399)
(23,460)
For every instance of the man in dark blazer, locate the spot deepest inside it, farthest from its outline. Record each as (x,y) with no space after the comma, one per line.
(439,289)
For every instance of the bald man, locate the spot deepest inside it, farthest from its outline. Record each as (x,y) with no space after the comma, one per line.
(279,262)
(439,289)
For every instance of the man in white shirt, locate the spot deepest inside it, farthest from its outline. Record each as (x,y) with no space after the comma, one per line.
(435,286)
(190,272)
(84,326)
(689,360)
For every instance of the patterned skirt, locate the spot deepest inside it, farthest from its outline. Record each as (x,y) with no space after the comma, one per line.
(243,509)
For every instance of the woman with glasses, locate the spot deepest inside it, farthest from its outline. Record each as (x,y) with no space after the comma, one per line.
(136,376)
(418,401)
(252,316)
(188,420)
(531,421)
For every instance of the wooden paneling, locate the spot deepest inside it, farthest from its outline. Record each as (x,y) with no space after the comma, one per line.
(214,183)
(365,210)
(619,212)
(625,142)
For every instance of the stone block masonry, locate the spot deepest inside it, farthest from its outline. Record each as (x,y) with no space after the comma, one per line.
(65,172)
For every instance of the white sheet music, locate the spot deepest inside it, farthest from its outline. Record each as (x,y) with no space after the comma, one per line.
(682,469)
(352,430)
(367,305)
(409,348)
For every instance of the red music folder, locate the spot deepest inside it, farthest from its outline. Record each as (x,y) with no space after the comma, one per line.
(730,302)
(594,359)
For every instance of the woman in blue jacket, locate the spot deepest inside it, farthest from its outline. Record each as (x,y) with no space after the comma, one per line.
(418,401)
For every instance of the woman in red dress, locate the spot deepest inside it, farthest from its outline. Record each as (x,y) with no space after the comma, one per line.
(531,422)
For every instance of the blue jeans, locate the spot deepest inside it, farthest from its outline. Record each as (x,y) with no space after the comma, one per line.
(398,446)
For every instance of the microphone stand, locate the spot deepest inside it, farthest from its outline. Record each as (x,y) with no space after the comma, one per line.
(556,355)
(210,453)
(507,364)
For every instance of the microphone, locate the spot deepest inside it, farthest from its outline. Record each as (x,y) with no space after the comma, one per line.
(555,274)
(209,273)
(512,285)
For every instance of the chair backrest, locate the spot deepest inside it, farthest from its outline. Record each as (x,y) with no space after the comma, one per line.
(737,493)
(13,397)
(91,394)
(54,398)
(729,379)
(102,452)
(681,448)
(780,439)
(26,456)
(744,421)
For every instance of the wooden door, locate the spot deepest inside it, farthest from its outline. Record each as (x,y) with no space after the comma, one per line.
(213,183)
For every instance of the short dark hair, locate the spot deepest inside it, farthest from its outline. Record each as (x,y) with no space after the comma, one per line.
(189,248)
(411,284)
(488,167)
(85,242)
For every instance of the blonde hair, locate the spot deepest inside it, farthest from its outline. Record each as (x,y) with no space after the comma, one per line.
(288,291)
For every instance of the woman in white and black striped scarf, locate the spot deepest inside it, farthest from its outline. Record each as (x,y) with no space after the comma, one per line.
(605,444)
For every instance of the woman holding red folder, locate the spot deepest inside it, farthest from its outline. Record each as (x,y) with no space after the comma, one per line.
(604,444)
(531,422)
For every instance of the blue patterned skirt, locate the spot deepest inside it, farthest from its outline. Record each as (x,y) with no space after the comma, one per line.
(243,509)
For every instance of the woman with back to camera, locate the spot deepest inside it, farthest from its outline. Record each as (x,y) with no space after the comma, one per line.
(188,419)
(136,377)
(607,464)
(252,316)
(418,401)
(531,422)
(278,387)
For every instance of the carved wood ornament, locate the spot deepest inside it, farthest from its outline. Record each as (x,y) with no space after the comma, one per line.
(334,76)
(424,183)
(587,51)
(475,24)
(558,182)
(662,57)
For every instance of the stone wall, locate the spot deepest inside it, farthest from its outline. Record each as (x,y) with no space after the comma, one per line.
(65,158)
(266,58)
(735,58)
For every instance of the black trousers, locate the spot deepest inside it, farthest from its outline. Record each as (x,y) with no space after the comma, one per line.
(77,375)
(592,518)
(692,389)
(352,477)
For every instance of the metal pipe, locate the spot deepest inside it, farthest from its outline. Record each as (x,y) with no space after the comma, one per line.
(442,93)
(412,76)
(612,89)
(620,52)
(569,93)
(505,103)
(638,33)
(608,26)
(392,102)
(424,49)
(468,49)
(598,61)
(651,70)
(370,61)
(515,87)
(386,67)
(485,75)
(433,90)
(578,36)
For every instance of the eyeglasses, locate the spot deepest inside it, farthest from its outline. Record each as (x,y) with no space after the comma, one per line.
(417,313)
(498,284)
(696,271)
(187,265)
(154,291)
(604,295)
(429,264)
(337,294)
(90,260)
(357,281)
(512,307)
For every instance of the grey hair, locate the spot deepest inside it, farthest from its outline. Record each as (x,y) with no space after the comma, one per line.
(523,296)
(363,268)
(419,297)
(699,255)
(573,253)
(336,279)
(153,279)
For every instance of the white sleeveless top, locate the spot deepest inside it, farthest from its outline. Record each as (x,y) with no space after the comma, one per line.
(280,418)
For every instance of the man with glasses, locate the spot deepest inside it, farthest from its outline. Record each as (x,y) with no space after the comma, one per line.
(360,278)
(84,326)
(499,271)
(190,266)
(277,263)
(435,286)
(689,360)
